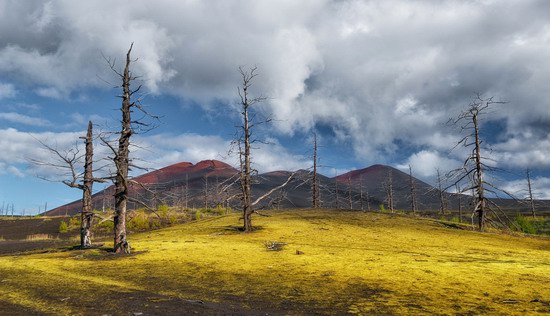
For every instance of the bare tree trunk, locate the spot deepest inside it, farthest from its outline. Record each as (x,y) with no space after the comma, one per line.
(315,185)
(349,194)
(336,190)
(122,163)
(361,192)
(459,203)
(442,203)
(389,191)
(87,215)
(368,201)
(413,191)
(530,192)
(246,169)
(480,205)
(206,192)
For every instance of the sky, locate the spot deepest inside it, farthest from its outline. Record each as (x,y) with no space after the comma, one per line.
(376,80)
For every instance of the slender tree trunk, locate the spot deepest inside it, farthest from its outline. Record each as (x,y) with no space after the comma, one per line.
(315,185)
(530,192)
(349,194)
(413,191)
(389,191)
(122,163)
(336,190)
(459,195)
(361,192)
(87,215)
(247,205)
(205,192)
(442,203)
(480,205)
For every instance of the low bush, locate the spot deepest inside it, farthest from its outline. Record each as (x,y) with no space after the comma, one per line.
(525,224)
(63,227)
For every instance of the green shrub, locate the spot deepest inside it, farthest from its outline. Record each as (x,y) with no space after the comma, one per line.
(63,227)
(162,210)
(455,219)
(74,222)
(198,215)
(382,208)
(140,221)
(525,224)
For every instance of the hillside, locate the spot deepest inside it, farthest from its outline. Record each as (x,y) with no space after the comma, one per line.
(332,262)
(208,183)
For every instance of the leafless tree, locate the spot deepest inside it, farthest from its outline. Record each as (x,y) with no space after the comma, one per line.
(244,142)
(530,193)
(474,168)
(441,193)
(70,160)
(412,186)
(314,182)
(459,198)
(350,196)
(121,154)
(388,185)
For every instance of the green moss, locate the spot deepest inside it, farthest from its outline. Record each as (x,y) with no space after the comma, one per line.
(333,262)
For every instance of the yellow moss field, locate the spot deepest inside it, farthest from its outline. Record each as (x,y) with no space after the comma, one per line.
(333,262)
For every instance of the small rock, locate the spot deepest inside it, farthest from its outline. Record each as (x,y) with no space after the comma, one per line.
(298,252)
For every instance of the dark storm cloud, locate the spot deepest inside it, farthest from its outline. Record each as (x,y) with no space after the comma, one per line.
(379,73)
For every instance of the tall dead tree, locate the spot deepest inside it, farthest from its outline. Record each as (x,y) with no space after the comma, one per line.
(389,191)
(459,197)
(314,181)
(70,160)
(244,153)
(441,193)
(350,197)
(121,151)
(530,193)
(87,215)
(336,191)
(361,192)
(412,186)
(474,167)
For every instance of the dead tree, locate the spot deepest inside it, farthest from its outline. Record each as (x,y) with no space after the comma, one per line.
(441,193)
(389,191)
(244,142)
(361,192)
(206,192)
(121,154)
(459,197)
(530,193)
(412,186)
(314,182)
(336,192)
(83,180)
(474,167)
(350,194)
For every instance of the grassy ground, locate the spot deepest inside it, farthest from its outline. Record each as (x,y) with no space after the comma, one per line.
(332,262)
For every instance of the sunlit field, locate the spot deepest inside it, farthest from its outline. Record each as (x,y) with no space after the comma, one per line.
(296,262)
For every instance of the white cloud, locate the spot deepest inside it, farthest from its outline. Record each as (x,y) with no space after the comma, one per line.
(540,187)
(377,73)
(7,90)
(24,119)
(425,163)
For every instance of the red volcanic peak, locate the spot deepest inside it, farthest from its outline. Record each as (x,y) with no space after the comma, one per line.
(357,174)
(164,173)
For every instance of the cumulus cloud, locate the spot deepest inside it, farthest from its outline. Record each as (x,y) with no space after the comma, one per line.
(425,163)
(540,187)
(24,119)
(378,74)
(7,90)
